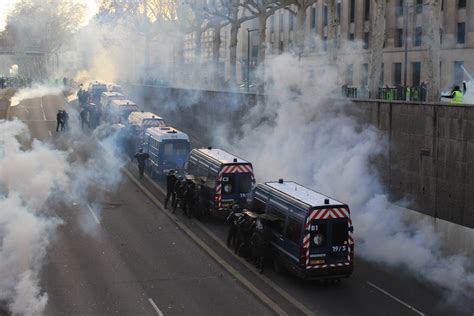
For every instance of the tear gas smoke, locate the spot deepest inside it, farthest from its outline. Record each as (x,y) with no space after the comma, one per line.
(35,91)
(29,178)
(303,135)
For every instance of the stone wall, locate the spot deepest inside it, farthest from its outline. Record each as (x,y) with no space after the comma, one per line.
(430,163)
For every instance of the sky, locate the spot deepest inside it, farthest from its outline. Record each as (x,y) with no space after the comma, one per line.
(7,5)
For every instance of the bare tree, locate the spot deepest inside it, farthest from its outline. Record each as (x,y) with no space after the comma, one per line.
(376,49)
(230,10)
(432,27)
(333,25)
(300,13)
(145,17)
(261,9)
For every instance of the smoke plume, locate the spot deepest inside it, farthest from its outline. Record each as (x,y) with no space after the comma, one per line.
(35,91)
(304,135)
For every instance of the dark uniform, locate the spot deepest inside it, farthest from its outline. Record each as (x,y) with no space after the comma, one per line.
(179,188)
(233,219)
(259,244)
(141,159)
(189,206)
(65,126)
(59,121)
(170,185)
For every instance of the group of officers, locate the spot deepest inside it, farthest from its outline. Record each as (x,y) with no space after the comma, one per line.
(90,114)
(248,233)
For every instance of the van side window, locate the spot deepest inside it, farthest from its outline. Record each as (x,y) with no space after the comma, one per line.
(192,167)
(258,206)
(293,230)
(202,171)
(211,179)
(278,224)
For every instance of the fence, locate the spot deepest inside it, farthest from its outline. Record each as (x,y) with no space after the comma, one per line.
(394,93)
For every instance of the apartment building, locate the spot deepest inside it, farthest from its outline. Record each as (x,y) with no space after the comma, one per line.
(354,33)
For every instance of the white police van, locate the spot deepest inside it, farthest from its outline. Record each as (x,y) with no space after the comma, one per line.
(120,109)
(139,122)
(310,233)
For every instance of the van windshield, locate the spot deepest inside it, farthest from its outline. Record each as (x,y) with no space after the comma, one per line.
(175,147)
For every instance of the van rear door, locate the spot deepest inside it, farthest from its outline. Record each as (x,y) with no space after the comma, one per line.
(328,234)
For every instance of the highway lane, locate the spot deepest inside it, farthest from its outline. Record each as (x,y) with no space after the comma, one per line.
(117,254)
(372,290)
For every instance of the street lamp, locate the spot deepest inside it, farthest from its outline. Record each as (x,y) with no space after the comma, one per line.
(248,56)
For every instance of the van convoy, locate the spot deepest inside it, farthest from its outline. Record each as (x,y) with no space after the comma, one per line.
(306,233)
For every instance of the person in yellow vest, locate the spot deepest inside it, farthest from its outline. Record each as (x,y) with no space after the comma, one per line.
(456,95)
(407,93)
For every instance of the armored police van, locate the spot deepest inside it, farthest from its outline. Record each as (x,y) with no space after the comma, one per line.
(139,122)
(167,147)
(227,178)
(310,233)
(95,91)
(121,109)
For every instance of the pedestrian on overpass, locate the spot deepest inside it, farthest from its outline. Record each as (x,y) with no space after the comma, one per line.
(141,157)
(59,120)
(456,95)
(170,185)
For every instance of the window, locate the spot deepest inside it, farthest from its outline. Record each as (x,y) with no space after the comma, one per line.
(292,21)
(397,74)
(367,10)
(442,5)
(399,38)
(325,15)
(382,75)
(400,7)
(441,36)
(192,167)
(461,4)
(313,18)
(228,183)
(277,225)
(418,36)
(352,14)
(416,73)
(254,51)
(419,6)
(258,206)
(339,234)
(461,32)
(272,24)
(338,11)
(365,74)
(325,43)
(293,230)
(281,22)
(318,234)
(245,182)
(350,75)
(458,72)
(366,40)
(351,37)
(280,47)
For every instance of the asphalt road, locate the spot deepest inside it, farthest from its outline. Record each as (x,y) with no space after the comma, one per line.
(120,252)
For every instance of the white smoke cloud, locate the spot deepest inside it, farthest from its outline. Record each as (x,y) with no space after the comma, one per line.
(27,179)
(35,91)
(304,135)
(32,174)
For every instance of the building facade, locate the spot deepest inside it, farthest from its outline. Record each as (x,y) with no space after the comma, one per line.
(354,37)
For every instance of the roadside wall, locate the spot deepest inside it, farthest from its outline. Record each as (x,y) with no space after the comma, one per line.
(429,163)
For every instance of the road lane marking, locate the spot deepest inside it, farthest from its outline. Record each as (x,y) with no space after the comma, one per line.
(42,109)
(395,298)
(50,134)
(237,275)
(264,278)
(93,214)
(155,307)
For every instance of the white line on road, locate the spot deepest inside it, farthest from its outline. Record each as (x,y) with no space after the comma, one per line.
(93,214)
(50,134)
(155,307)
(42,108)
(265,279)
(395,298)
(264,298)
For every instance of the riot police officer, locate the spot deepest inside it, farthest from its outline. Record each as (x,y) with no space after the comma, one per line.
(233,219)
(170,185)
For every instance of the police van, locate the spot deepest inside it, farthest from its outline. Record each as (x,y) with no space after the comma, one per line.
(310,233)
(95,91)
(120,109)
(167,147)
(105,99)
(226,178)
(139,122)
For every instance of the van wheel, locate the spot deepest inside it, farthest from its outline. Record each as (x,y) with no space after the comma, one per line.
(277,267)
